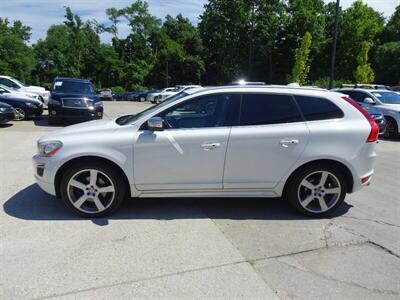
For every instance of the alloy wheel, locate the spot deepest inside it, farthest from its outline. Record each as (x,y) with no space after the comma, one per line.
(91,191)
(319,191)
(19,114)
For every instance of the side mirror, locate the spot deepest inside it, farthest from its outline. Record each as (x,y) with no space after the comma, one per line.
(369,101)
(155,124)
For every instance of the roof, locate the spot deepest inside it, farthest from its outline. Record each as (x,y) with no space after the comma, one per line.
(71,79)
(364,90)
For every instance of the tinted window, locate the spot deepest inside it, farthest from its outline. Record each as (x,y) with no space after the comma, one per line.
(73,87)
(204,111)
(261,109)
(8,83)
(387,97)
(315,108)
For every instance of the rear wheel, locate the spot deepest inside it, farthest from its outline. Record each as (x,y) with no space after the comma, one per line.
(93,189)
(316,190)
(391,130)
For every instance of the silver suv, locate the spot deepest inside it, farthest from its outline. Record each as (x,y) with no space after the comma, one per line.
(310,146)
(388,102)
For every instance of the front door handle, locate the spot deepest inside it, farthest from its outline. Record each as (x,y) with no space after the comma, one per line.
(287,142)
(209,146)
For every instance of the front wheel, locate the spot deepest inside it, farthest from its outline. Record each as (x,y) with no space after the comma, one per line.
(391,130)
(316,190)
(93,189)
(20,114)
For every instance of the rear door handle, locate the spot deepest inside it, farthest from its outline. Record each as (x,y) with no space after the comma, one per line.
(209,146)
(287,142)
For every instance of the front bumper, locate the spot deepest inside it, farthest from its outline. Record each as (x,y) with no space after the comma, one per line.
(59,112)
(34,111)
(7,116)
(43,173)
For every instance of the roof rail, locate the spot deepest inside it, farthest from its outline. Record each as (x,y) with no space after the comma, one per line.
(372,86)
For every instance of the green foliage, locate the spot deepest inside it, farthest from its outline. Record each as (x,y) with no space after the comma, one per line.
(16,58)
(364,72)
(117,89)
(323,82)
(388,63)
(258,40)
(301,66)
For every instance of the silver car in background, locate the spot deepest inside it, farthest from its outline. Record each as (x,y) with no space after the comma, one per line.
(388,102)
(309,146)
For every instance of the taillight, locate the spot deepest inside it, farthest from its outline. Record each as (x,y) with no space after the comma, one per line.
(373,135)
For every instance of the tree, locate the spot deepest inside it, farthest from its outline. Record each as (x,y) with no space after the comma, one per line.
(16,57)
(357,24)
(391,33)
(364,72)
(388,63)
(301,66)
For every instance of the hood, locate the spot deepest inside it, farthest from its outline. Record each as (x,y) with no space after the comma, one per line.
(393,107)
(371,109)
(22,96)
(92,127)
(36,88)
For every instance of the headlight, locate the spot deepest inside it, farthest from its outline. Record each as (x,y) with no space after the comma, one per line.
(49,148)
(98,104)
(54,102)
(3,109)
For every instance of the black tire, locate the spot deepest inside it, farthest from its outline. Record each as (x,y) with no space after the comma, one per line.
(292,189)
(392,130)
(118,180)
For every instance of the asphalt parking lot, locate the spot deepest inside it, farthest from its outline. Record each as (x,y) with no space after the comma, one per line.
(194,248)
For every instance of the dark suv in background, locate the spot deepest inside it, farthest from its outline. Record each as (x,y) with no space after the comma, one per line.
(73,99)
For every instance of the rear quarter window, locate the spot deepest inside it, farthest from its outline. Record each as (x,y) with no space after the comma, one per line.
(317,108)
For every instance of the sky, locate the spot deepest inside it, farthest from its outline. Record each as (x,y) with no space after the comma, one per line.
(40,14)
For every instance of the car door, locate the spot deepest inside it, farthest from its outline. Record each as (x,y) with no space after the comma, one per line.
(190,153)
(270,138)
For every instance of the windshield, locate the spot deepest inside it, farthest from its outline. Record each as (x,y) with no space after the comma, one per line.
(73,87)
(132,118)
(387,97)
(19,82)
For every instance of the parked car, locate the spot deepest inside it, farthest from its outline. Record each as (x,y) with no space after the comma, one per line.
(396,88)
(7,113)
(310,146)
(120,96)
(25,107)
(168,93)
(388,102)
(152,94)
(18,85)
(141,96)
(377,115)
(105,95)
(10,92)
(73,99)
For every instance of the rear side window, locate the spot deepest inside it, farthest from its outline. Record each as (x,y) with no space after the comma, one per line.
(315,108)
(263,109)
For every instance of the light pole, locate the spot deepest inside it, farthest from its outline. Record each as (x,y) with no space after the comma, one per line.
(334,45)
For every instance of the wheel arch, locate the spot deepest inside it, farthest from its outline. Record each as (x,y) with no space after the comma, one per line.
(61,170)
(330,162)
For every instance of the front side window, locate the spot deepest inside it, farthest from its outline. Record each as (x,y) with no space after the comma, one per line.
(263,109)
(387,97)
(315,108)
(8,82)
(203,111)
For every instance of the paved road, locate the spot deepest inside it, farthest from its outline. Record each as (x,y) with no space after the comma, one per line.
(187,248)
